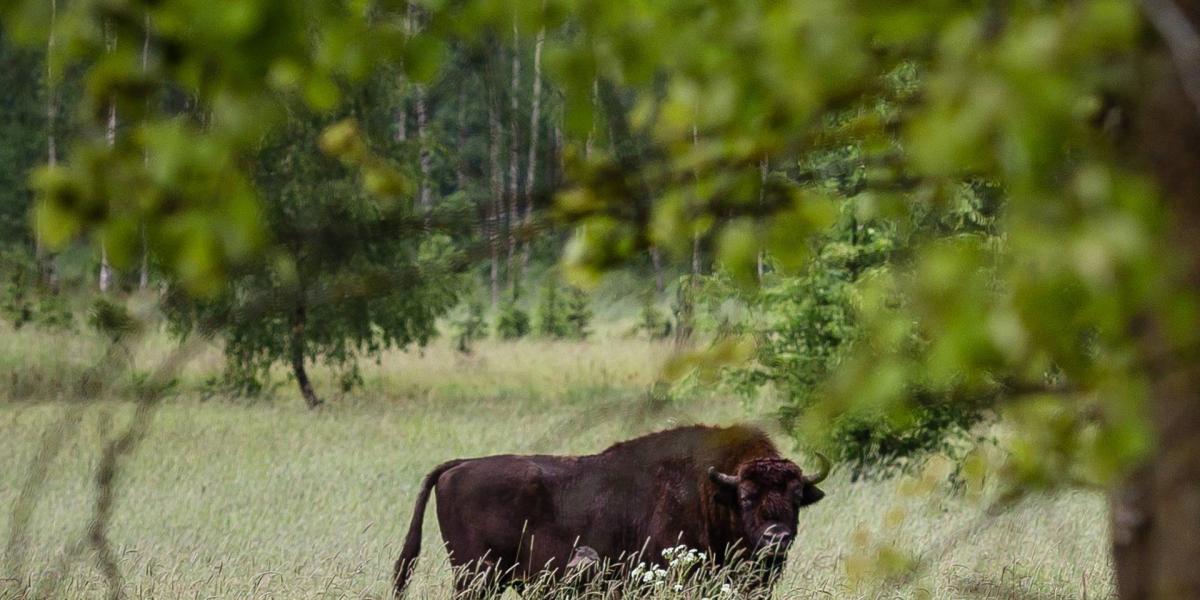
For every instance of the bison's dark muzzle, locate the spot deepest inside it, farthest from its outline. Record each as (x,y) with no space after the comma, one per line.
(775,541)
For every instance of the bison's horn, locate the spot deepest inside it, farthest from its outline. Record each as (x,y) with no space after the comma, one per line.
(721,478)
(821,473)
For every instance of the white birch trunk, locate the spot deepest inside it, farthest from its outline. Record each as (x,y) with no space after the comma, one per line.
(762,192)
(110,135)
(696,234)
(426,199)
(656,265)
(591,138)
(514,182)
(496,203)
(460,167)
(535,113)
(46,267)
(559,143)
(51,92)
(144,270)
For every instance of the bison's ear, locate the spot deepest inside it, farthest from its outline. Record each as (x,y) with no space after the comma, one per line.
(725,497)
(809,494)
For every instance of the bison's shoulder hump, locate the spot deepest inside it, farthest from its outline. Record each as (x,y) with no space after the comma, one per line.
(694,439)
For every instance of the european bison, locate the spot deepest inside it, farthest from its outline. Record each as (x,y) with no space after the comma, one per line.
(714,489)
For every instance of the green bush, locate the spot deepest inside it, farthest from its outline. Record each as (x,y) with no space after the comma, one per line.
(652,321)
(469,325)
(804,325)
(512,322)
(111,319)
(578,314)
(23,300)
(563,315)
(54,312)
(552,311)
(874,446)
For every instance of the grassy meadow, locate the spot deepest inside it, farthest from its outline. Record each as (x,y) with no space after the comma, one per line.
(233,498)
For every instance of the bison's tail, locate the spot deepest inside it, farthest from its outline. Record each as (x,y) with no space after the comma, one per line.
(412,542)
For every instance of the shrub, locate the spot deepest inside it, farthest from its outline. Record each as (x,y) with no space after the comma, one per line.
(23,300)
(111,319)
(578,314)
(469,325)
(652,321)
(54,312)
(552,311)
(512,322)
(804,325)
(874,446)
(563,315)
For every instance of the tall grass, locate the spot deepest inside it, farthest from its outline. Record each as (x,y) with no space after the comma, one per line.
(265,499)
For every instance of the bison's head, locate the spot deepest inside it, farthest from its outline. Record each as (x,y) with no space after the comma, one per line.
(767,494)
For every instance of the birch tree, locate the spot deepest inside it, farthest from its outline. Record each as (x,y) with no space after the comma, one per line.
(45,265)
(424,199)
(144,269)
(462,134)
(514,167)
(535,113)
(496,200)
(110,135)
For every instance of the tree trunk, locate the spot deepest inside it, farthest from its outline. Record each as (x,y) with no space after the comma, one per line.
(460,165)
(1156,512)
(402,107)
(696,254)
(45,265)
(656,264)
(559,155)
(514,168)
(426,200)
(299,321)
(591,138)
(684,312)
(401,121)
(762,194)
(51,93)
(535,113)
(110,135)
(496,203)
(695,235)
(144,270)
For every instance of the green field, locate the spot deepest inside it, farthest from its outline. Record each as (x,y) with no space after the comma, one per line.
(229,498)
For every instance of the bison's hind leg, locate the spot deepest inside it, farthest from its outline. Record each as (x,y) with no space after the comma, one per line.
(480,579)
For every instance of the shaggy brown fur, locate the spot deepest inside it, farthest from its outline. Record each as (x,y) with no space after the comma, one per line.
(520,515)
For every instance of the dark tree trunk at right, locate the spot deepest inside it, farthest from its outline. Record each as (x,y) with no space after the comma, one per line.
(1156,511)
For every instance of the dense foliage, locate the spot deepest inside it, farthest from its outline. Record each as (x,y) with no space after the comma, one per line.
(664,147)
(1068,307)
(349,275)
